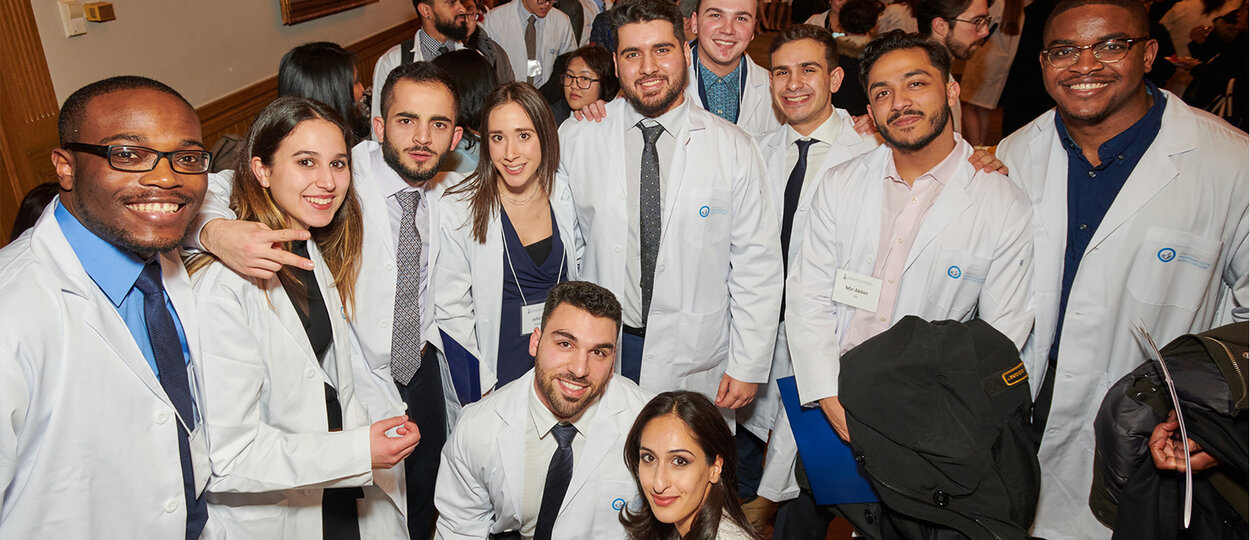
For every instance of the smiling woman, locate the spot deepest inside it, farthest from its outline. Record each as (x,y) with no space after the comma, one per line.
(684,460)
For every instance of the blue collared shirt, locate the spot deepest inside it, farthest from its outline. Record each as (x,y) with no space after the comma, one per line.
(722,95)
(1091,190)
(114,270)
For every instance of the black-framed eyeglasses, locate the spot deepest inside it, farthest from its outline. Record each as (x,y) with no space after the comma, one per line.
(582,82)
(981,23)
(128,158)
(1107,52)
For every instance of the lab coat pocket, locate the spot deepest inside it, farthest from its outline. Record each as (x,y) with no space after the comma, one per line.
(1173,268)
(247,515)
(610,497)
(956,283)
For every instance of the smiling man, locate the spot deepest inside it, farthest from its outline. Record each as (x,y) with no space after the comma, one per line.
(724,80)
(444,26)
(541,457)
(678,219)
(100,436)
(1141,205)
(912,224)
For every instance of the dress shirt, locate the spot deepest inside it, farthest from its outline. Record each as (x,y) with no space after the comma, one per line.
(429,47)
(1091,190)
(539,24)
(673,121)
(723,93)
(539,447)
(826,133)
(390,183)
(903,209)
(115,270)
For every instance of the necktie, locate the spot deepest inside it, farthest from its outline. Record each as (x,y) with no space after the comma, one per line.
(442,49)
(558,475)
(531,43)
(172,368)
(794,186)
(406,342)
(649,213)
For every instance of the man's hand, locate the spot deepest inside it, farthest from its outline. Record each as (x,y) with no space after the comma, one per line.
(864,125)
(733,393)
(596,111)
(385,450)
(251,248)
(1169,455)
(984,161)
(837,416)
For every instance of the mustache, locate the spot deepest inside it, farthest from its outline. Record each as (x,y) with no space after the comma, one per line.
(900,114)
(158,196)
(420,148)
(584,380)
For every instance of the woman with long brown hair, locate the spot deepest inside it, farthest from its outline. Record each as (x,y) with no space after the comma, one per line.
(508,236)
(291,448)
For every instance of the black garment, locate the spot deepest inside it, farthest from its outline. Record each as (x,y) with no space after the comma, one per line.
(426,408)
(850,96)
(938,415)
(577,16)
(1209,371)
(601,32)
(1024,95)
(1162,70)
(1229,61)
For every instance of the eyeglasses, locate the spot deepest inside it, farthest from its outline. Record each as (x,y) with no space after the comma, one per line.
(582,82)
(981,23)
(128,158)
(544,2)
(1107,52)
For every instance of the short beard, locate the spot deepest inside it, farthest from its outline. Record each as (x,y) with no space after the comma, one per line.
(957,49)
(666,101)
(449,29)
(123,238)
(560,405)
(937,124)
(390,154)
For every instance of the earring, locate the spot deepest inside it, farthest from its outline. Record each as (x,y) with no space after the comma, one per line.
(264,184)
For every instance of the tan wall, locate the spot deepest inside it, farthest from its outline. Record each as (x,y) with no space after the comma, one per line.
(205,49)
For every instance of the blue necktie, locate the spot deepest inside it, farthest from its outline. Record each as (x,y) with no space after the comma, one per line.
(794,186)
(172,367)
(558,475)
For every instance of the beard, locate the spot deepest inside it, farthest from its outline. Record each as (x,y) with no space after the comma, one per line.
(562,406)
(936,125)
(959,50)
(413,175)
(450,29)
(659,104)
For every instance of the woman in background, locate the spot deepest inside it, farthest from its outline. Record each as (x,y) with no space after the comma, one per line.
(684,460)
(508,236)
(588,75)
(327,73)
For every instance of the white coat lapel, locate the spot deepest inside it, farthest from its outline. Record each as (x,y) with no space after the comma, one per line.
(514,412)
(372,200)
(676,180)
(600,445)
(951,202)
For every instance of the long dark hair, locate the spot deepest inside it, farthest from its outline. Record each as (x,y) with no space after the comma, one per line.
(600,61)
(326,72)
(707,428)
(482,187)
(475,79)
(340,241)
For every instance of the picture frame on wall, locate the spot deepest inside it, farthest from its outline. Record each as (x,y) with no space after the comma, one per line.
(298,11)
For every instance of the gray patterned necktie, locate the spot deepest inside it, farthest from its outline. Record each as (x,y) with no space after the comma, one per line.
(531,42)
(406,342)
(649,213)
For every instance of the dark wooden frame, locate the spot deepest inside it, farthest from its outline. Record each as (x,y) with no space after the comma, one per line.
(298,11)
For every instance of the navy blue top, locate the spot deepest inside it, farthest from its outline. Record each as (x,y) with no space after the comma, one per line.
(1091,190)
(535,279)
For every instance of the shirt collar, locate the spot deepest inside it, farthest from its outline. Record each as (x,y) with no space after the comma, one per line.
(730,79)
(1123,141)
(386,178)
(525,13)
(672,120)
(113,269)
(942,172)
(425,38)
(544,420)
(826,132)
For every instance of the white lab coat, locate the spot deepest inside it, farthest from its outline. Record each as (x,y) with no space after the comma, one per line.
(387,63)
(481,478)
(1188,194)
(979,225)
(266,408)
(765,412)
(467,267)
(717,292)
(88,437)
(756,114)
(505,26)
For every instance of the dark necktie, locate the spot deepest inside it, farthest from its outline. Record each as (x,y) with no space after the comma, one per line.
(442,49)
(406,342)
(794,186)
(649,213)
(531,44)
(558,475)
(172,368)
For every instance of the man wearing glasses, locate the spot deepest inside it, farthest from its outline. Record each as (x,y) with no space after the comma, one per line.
(1140,206)
(99,432)
(533,35)
(961,25)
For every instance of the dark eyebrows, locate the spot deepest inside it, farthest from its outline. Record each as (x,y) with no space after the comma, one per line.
(433,118)
(138,139)
(1066,42)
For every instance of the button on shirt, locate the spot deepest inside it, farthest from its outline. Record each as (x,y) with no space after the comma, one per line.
(903,209)
(115,271)
(1091,190)
(390,183)
(674,122)
(429,46)
(540,445)
(722,93)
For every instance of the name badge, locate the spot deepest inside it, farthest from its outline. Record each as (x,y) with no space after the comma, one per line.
(533,68)
(531,318)
(856,290)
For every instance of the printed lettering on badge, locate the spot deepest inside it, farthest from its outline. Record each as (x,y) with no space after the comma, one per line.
(856,290)
(531,318)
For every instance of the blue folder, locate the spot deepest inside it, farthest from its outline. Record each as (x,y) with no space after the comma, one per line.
(830,464)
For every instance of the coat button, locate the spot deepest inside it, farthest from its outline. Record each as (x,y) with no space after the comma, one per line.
(309,373)
(161,418)
(618,249)
(171,506)
(941,498)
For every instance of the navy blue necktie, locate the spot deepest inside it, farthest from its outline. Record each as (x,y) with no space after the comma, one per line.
(794,186)
(558,475)
(172,368)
